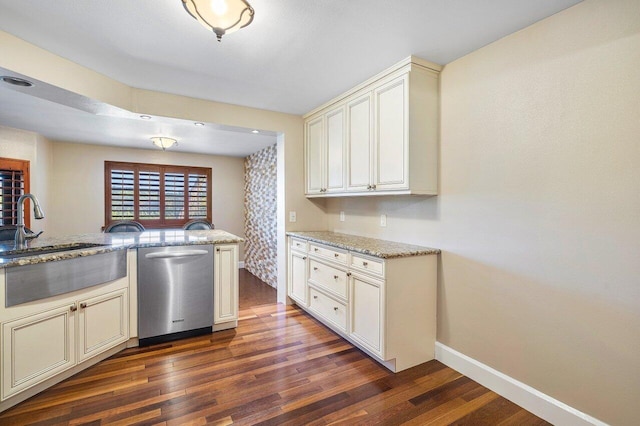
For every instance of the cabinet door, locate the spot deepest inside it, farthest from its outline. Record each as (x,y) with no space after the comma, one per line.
(37,348)
(314,154)
(367,315)
(359,143)
(298,278)
(335,168)
(391,135)
(103,323)
(225,283)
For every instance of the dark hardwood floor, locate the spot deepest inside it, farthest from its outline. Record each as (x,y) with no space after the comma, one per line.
(279,367)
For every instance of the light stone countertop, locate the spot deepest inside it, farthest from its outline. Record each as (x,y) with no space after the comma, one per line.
(110,242)
(370,246)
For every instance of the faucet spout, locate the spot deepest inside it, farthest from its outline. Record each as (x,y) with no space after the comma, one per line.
(38,213)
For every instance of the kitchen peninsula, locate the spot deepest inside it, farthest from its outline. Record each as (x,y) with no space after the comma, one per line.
(87,306)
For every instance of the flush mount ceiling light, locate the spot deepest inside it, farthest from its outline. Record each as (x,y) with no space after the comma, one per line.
(163,142)
(16,81)
(220,16)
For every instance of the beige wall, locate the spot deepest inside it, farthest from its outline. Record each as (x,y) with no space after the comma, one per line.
(77,183)
(539,212)
(22,145)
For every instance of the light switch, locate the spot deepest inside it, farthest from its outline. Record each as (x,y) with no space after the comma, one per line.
(341,216)
(383,220)
(292,216)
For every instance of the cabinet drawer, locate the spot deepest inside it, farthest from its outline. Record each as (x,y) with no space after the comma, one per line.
(328,308)
(368,264)
(331,279)
(328,253)
(297,244)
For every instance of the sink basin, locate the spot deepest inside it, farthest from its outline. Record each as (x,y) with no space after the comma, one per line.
(35,251)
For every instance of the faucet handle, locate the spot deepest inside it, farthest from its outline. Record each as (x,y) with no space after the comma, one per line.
(33,236)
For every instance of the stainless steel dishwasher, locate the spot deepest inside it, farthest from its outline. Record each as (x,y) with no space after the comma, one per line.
(175,292)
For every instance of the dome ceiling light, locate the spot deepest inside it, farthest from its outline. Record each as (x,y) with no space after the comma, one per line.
(163,142)
(220,16)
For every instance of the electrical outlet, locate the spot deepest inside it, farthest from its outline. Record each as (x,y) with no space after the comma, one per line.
(341,216)
(383,220)
(292,216)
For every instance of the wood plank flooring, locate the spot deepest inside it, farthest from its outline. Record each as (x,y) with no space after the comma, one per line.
(279,367)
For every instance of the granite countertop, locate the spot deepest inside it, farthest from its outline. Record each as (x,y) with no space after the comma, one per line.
(371,246)
(110,242)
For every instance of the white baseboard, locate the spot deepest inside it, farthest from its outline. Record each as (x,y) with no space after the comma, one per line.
(241,264)
(532,400)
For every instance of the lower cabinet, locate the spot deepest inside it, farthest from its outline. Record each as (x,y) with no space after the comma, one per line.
(367,313)
(298,277)
(48,338)
(36,348)
(225,283)
(386,307)
(103,323)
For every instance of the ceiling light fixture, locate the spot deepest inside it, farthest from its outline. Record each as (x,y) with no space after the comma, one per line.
(16,81)
(220,16)
(163,142)
(255,132)
(198,124)
(145,117)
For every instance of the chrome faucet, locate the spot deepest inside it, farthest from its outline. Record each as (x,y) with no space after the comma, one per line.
(21,236)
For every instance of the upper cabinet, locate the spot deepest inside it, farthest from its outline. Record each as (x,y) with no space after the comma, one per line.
(380,138)
(325,145)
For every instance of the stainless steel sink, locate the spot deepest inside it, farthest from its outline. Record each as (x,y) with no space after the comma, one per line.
(36,251)
(26,283)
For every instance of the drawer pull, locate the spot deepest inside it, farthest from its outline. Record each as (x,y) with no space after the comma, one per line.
(73,308)
(335,277)
(336,255)
(365,264)
(316,249)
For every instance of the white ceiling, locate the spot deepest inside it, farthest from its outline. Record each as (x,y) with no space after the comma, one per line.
(296,55)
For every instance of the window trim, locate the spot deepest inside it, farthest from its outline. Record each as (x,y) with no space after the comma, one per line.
(162,169)
(14,164)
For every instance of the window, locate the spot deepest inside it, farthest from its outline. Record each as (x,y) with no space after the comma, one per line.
(14,181)
(157,196)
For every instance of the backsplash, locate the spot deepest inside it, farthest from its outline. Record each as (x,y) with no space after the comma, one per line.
(260,215)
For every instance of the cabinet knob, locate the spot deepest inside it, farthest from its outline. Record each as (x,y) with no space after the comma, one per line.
(315,268)
(83,305)
(304,258)
(316,249)
(315,297)
(73,308)
(336,255)
(335,308)
(365,264)
(368,186)
(335,277)
(218,250)
(373,186)
(348,274)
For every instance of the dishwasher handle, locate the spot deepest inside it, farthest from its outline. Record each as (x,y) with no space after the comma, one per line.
(170,255)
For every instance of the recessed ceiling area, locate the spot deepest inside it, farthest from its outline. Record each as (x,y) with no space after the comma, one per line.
(295,55)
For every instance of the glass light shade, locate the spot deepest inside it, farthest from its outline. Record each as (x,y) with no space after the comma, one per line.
(164,143)
(220,16)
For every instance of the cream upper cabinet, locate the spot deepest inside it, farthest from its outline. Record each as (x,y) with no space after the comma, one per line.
(314,137)
(325,152)
(360,143)
(390,136)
